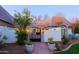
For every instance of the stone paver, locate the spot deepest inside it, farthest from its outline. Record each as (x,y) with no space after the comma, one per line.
(40,48)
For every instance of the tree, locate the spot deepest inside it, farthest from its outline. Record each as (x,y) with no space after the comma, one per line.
(23,20)
(76,26)
(76,29)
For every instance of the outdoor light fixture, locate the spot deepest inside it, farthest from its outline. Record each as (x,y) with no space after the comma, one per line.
(28,30)
(42,30)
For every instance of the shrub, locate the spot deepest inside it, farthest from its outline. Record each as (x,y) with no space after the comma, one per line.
(76,30)
(50,40)
(58,46)
(28,42)
(65,40)
(3,41)
(73,36)
(77,36)
(21,37)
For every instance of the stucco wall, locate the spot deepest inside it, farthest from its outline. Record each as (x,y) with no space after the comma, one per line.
(69,30)
(9,33)
(54,33)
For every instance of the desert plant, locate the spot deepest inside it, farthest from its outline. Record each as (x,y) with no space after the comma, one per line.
(28,42)
(58,46)
(50,40)
(65,40)
(3,40)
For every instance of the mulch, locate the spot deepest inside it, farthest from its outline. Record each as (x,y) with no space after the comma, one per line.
(12,49)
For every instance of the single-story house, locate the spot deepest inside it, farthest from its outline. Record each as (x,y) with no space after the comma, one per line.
(60,21)
(39,26)
(7,26)
(5,18)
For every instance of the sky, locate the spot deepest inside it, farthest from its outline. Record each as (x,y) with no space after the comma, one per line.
(69,11)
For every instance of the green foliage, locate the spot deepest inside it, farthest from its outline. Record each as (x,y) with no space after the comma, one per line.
(21,37)
(3,41)
(28,43)
(58,46)
(23,20)
(4,37)
(76,30)
(73,50)
(50,40)
(65,40)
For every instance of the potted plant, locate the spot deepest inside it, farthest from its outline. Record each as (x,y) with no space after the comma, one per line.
(51,44)
(29,46)
(23,21)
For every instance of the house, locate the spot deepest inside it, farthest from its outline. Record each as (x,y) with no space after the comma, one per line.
(7,26)
(40,26)
(60,21)
(5,18)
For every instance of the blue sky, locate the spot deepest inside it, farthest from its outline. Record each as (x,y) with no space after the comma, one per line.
(69,12)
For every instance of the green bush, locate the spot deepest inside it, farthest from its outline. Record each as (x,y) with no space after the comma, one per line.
(28,42)
(65,40)
(50,40)
(21,37)
(3,41)
(76,30)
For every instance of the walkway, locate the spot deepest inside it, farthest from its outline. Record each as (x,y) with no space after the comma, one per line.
(40,48)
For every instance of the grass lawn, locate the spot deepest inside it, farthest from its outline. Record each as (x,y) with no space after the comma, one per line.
(73,50)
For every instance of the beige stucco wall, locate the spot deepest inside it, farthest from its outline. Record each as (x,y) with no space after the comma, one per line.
(54,33)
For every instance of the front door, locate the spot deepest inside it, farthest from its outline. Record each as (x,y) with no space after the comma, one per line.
(36,35)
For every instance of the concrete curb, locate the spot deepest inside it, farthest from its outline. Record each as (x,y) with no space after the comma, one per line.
(66,48)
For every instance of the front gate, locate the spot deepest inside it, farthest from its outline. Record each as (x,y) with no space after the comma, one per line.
(36,35)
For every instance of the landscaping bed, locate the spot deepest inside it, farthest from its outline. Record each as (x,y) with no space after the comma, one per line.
(74,49)
(65,47)
(12,49)
(71,49)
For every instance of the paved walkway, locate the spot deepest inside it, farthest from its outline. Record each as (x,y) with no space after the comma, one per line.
(40,48)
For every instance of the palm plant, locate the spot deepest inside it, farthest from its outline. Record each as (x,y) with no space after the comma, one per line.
(23,20)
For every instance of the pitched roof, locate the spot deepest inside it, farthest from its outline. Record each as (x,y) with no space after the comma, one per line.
(5,16)
(55,21)
(60,20)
